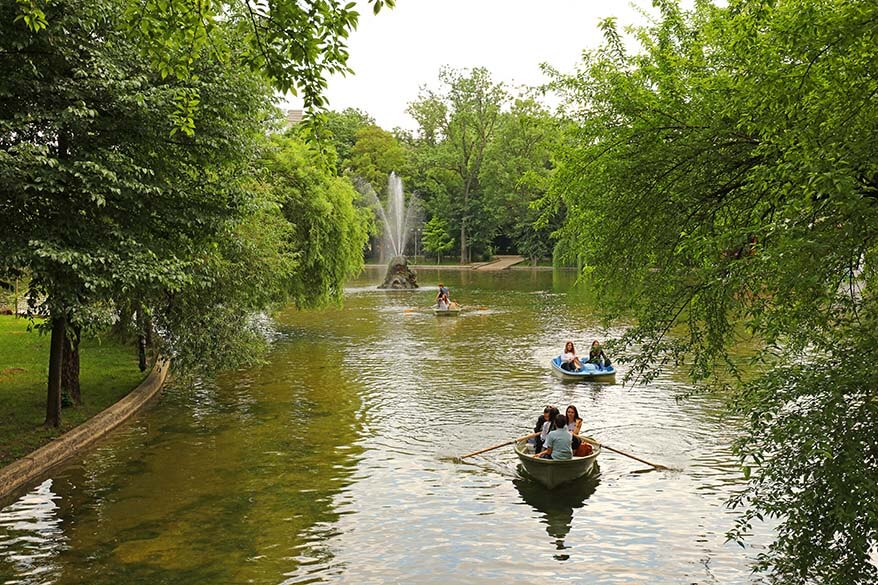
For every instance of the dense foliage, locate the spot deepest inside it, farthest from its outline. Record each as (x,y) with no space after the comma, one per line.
(329,231)
(108,209)
(727,174)
(481,161)
(293,44)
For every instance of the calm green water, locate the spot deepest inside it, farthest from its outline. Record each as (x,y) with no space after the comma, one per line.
(332,463)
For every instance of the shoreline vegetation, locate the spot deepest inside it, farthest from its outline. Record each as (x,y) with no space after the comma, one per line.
(109,371)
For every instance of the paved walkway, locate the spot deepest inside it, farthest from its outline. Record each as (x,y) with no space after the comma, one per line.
(499,263)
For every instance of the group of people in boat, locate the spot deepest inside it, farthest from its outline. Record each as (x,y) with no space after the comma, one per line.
(556,435)
(443,300)
(572,363)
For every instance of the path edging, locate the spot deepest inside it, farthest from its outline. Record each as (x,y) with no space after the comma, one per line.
(17,474)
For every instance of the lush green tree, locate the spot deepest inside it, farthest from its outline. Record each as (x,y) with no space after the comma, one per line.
(436,237)
(726,177)
(375,155)
(294,44)
(516,176)
(101,202)
(329,231)
(458,121)
(342,128)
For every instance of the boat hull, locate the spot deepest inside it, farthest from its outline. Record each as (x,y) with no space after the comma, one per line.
(446,312)
(553,473)
(588,372)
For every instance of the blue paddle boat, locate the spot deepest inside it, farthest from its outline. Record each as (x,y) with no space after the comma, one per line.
(588,371)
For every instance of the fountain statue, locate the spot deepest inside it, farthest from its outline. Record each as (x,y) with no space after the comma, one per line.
(396,220)
(399,275)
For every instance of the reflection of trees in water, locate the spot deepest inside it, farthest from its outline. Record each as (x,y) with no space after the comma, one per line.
(557,505)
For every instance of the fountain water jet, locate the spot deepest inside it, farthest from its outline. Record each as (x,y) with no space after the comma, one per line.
(397,220)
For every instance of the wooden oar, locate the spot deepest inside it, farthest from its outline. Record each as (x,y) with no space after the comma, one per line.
(524,438)
(608,448)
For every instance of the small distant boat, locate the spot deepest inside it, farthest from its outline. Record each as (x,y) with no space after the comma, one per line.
(553,473)
(587,372)
(447,312)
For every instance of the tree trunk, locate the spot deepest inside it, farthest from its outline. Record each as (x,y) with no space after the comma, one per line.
(122,328)
(56,356)
(144,337)
(70,369)
(464,257)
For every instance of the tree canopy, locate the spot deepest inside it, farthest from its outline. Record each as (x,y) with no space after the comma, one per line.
(293,44)
(460,120)
(725,175)
(107,207)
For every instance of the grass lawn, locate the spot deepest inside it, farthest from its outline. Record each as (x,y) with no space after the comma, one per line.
(108,371)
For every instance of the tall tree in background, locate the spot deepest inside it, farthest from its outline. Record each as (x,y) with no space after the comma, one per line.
(728,175)
(516,175)
(342,128)
(375,155)
(460,120)
(436,237)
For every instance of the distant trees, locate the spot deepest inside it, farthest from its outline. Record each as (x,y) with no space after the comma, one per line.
(516,176)
(436,237)
(341,130)
(375,155)
(481,161)
(464,114)
(726,176)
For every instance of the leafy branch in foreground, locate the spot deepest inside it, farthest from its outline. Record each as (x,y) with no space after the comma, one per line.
(721,182)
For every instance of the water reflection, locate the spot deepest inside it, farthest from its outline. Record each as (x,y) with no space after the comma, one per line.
(557,505)
(31,537)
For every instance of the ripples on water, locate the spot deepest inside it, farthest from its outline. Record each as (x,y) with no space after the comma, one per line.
(334,462)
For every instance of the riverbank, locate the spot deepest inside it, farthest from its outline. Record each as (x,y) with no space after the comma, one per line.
(108,371)
(469,267)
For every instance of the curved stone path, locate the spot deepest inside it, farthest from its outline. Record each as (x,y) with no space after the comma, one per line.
(20,473)
(500,263)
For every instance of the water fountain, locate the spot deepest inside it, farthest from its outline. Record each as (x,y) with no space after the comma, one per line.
(397,220)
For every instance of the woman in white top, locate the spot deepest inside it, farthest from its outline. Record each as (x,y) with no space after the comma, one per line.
(548,424)
(569,359)
(574,424)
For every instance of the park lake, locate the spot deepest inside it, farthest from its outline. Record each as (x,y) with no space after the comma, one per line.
(335,460)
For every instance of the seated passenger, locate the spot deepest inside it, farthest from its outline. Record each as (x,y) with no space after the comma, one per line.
(569,360)
(558,442)
(544,425)
(574,425)
(597,356)
(442,302)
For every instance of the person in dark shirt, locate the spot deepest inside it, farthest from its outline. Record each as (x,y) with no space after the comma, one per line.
(597,356)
